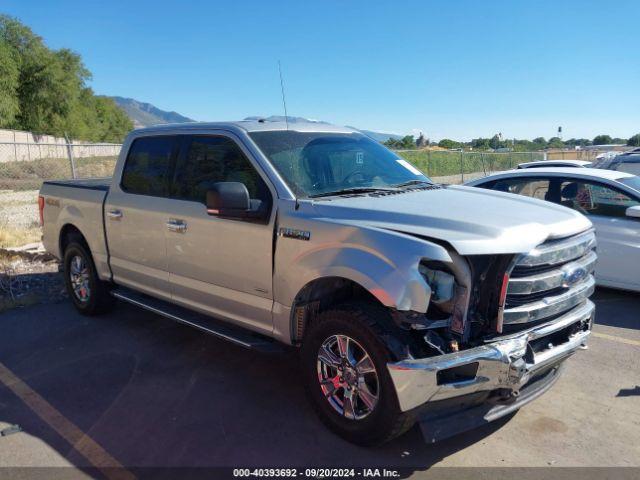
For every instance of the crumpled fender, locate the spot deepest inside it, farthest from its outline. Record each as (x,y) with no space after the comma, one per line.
(384,262)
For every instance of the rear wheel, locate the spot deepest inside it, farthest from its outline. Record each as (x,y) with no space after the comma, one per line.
(344,363)
(89,294)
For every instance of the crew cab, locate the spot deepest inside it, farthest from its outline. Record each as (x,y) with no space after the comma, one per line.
(409,301)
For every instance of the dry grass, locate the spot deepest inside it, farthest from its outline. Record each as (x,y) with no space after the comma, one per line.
(16,237)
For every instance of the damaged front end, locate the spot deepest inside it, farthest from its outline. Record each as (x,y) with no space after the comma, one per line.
(496,332)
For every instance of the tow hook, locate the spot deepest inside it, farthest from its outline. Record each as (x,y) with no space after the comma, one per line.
(518,374)
(506,394)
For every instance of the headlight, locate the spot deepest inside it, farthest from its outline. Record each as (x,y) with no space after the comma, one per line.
(442,284)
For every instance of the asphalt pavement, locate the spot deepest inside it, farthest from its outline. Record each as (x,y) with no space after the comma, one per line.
(134,389)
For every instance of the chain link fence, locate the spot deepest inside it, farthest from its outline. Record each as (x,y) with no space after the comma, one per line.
(23,168)
(444,166)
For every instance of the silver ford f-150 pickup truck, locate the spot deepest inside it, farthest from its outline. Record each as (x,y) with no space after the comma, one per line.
(409,301)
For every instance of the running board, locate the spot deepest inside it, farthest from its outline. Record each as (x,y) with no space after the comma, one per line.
(218,328)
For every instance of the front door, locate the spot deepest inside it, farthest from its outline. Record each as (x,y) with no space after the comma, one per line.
(135,217)
(220,266)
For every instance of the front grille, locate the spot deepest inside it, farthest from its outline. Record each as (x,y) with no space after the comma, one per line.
(550,281)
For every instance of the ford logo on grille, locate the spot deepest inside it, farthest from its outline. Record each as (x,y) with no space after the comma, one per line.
(571,277)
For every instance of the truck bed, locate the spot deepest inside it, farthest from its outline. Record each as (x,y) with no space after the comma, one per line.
(90,183)
(76,203)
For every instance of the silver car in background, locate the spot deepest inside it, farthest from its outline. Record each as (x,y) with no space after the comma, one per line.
(610,199)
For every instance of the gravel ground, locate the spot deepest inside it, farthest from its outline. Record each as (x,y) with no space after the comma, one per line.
(18,208)
(28,279)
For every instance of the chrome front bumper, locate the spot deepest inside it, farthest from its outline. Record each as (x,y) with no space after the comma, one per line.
(505,363)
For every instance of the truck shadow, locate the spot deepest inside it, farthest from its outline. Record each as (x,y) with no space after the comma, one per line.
(617,308)
(153,393)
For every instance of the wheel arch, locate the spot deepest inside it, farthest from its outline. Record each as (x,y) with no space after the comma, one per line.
(67,233)
(320,294)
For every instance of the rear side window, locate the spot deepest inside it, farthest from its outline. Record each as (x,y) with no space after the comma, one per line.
(212,159)
(147,167)
(629,167)
(596,199)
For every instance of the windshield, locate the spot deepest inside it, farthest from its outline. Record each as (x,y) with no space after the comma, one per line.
(316,163)
(633,182)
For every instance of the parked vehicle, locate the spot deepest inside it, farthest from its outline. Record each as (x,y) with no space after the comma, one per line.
(610,199)
(409,301)
(628,162)
(555,163)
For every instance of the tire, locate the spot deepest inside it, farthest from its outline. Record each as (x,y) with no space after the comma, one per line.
(362,324)
(89,294)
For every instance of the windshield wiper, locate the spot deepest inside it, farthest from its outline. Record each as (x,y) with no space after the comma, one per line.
(412,182)
(346,191)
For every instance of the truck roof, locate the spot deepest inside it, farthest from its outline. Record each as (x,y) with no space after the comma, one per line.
(251,126)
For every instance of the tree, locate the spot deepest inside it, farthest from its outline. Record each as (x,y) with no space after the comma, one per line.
(44,90)
(9,82)
(422,141)
(602,140)
(541,142)
(449,144)
(577,142)
(634,141)
(555,142)
(481,143)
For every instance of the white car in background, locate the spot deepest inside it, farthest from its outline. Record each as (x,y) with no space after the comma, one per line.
(610,199)
(555,163)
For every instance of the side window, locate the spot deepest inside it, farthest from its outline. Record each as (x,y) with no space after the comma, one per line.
(595,199)
(530,187)
(147,166)
(218,159)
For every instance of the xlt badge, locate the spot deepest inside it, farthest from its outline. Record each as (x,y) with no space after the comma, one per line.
(294,233)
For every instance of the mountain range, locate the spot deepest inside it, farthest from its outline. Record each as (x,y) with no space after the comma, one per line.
(145,114)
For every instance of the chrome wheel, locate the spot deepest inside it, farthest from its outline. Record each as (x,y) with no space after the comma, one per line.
(79,276)
(347,377)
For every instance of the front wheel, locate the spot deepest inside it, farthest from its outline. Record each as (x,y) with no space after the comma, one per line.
(344,364)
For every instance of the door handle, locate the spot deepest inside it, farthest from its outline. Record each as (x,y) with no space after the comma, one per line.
(177,226)
(114,214)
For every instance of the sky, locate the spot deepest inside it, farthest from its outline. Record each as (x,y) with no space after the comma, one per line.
(451,69)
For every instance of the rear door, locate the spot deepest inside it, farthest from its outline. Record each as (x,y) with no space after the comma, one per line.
(136,218)
(220,266)
(618,235)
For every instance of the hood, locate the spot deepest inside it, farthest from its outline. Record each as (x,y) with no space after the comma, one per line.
(474,221)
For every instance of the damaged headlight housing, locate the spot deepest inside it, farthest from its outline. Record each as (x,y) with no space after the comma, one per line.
(442,284)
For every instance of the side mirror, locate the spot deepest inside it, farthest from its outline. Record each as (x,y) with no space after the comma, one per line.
(633,212)
(228,199)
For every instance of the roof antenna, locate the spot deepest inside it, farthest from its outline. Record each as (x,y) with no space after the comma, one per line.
(286,118)
(284,103)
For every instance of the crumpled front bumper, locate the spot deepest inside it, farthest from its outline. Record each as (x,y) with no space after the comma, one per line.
(505,364)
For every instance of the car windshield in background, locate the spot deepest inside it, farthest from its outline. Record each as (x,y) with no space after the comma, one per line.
(633,182)
(320,164)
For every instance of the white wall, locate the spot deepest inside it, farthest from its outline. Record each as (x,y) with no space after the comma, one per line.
(12,147)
